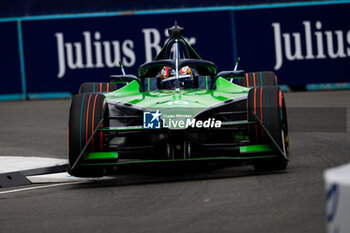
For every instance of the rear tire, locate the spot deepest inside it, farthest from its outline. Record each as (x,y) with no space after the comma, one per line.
(258,79)
(86,111)
(269,106)
(92,87)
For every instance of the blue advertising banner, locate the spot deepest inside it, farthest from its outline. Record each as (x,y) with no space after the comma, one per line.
(303,45)
(9,59)
(61,54)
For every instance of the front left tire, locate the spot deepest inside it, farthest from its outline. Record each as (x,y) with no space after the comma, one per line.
(94,87)
(86,112)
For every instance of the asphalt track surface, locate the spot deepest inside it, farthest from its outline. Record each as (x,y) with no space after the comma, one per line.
(202,200)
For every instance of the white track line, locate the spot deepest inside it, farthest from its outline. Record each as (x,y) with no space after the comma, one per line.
(39,187)
(20,163)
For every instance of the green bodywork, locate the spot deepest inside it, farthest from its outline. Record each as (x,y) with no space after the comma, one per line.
(171,102)
(101,155)
(187,103)
(196,98)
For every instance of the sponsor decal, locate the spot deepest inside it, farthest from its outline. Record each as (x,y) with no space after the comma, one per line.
(94,52)
(152,120)
(194,123)
(301,45)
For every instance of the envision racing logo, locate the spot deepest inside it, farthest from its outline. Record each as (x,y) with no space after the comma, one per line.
(152,120)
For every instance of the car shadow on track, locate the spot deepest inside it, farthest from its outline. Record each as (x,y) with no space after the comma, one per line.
(173,174)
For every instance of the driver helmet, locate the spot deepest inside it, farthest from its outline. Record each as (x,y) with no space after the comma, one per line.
(167,72)
(185,70)
(167,76)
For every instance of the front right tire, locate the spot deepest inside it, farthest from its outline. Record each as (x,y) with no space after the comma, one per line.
(268,104)
(258,79)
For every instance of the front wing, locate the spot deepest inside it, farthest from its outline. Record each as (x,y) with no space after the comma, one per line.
(174,146)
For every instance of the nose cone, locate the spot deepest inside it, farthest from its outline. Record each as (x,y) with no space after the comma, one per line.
(182,99)
(178,108)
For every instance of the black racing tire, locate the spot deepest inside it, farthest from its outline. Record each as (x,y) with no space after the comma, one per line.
(258,79)
(268,104)
(86,111)
(92,87)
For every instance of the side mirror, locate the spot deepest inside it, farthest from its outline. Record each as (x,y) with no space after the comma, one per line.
(123,78)
(126,79)
(231,74)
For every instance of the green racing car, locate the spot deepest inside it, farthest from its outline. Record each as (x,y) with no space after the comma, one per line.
(178,110)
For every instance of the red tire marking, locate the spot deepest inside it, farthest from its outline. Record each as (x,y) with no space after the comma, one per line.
(276,79)
(261,114)
(87,120)
(254,79)
(256,127)
(93,121)
(280,99)
(100,87)
(246,77)
(255,100)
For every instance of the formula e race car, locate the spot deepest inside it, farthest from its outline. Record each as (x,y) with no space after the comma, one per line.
(178,110)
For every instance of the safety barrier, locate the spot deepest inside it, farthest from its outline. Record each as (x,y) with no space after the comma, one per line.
(50,56)
(338,198)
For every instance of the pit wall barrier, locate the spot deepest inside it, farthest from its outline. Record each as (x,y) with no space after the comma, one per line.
(50,56)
